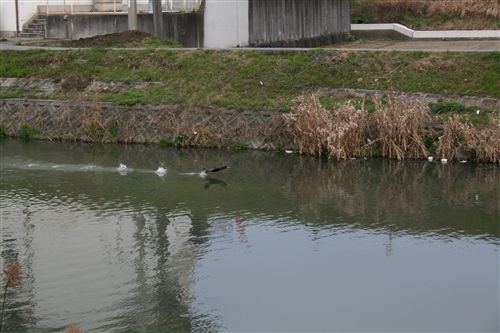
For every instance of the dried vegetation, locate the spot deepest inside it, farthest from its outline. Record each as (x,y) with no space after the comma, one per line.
(430,14)
(401,125)
(399,128)
(317,131)
(461,140)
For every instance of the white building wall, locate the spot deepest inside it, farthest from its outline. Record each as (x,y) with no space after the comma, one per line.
(28,8)
(226,23)
(8,13)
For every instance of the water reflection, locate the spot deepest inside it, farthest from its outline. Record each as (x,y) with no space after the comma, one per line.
(410,196)
(212,181)
(135,253)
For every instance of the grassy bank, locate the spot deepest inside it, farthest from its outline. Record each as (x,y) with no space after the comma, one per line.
(256,80)
(425,14)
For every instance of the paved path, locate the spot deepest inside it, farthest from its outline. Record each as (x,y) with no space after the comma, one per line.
(426,34)
(360,45)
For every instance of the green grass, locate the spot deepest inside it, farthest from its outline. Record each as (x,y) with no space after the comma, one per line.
(156,42)
(238,146)
(444,110)
(422,22)
(332,103)
(28,132)
(165,143)
(417,22)
(231,79)
(3,131)
(10,94)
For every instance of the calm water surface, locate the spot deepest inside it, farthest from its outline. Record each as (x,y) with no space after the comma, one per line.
(276,243)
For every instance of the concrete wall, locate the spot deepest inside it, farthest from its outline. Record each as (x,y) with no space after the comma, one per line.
(226,23)
(186,28)
(295,22)
(28,8)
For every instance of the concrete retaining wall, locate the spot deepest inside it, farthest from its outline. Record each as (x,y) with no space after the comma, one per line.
(186,28)
(290,22)
(50,86)
(481,102)
(225,23)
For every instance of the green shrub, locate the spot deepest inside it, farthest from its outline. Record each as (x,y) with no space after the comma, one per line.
(28,132)
(112,130)
(447,107)
(238,146)
(102,134)
(164,143)
(430,144)
(180,139)
(3,132)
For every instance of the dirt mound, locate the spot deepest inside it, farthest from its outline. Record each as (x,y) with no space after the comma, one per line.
(129,38)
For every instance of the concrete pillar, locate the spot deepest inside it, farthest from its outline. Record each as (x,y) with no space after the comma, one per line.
(157,18)
(132,14)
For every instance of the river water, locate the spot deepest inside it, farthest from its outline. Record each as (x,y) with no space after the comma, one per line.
(278,242)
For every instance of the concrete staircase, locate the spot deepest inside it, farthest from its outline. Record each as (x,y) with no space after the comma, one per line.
(34,28)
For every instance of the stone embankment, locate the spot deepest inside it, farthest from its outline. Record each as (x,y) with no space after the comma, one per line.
(178,125)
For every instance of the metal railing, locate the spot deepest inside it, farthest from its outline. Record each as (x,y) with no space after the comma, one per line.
(83,6)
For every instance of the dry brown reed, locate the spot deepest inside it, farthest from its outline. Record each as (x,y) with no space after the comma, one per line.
(485,143)
(481,8)
(401,125)
(452,141)
(317,131)
(393,10)
(462,140)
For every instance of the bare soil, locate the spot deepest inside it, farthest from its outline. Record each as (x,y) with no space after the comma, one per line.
(131,38)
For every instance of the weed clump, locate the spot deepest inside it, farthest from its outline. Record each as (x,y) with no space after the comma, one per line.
(101,133)
(401,125)
(317,131)
(399,128)
(3,132)
(28,132)
(462,140)
(164,143)
(238,146)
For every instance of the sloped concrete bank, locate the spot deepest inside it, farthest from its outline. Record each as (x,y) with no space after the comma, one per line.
(168,124)
(51,86)
(482,102)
